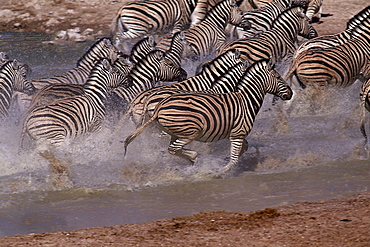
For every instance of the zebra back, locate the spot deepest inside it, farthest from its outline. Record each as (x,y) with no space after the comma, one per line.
(13,78)
(359,18)
(103,48)
(278,41)
(137,19)
(339,65)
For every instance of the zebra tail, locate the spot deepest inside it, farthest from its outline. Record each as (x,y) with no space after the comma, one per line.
(362,128)
(137,132)
(116,26)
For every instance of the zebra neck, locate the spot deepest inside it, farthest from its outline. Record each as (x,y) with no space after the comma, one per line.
(6,87)
(90,58)
(96,87)
(218,16)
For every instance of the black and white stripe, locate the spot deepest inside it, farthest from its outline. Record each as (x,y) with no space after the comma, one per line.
(211,117)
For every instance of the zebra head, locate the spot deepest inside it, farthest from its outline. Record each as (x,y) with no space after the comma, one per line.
(306,30)
(237,18)
(261,78)
(170,71)
(103,48)
(20,71)
(276,84)
(142,48)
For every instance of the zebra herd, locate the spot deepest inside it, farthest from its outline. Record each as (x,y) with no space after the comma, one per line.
(223,98)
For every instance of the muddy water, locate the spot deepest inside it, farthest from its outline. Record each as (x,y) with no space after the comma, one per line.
(307,149)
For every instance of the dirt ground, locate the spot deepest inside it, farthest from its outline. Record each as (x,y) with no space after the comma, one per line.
(337,222)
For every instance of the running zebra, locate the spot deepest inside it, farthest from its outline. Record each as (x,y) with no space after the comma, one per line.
(209,35)
(137,19)
(75,116)
(145,75)
(103,48)
(144,103)
(211,117)
(13,78)
(262,19)
(278,42)
(339,65)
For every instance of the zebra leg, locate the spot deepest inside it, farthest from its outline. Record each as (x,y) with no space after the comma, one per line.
(176,147)
(237,145)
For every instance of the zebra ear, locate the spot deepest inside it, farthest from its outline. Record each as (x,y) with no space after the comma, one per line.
(15,64)
(301,14)
(107,42)
(237,53)
(151,41)
(106,64)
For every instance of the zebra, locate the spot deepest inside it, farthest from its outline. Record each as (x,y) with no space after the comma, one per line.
(278,42)
(143,104)
(211,117)
(355,27)
(137,19)
(262,19)
(102,48)
(13,78)
(48,94)
(143,76)
(70,118)
(339,65)
(209,35)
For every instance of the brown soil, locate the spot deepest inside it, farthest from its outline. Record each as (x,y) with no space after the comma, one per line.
(337,222)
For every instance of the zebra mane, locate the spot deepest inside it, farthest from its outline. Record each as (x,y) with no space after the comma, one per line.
(139,64)
(142,48)
(250,72)
(359,18)
(295,10)
(92,48)
(205,66)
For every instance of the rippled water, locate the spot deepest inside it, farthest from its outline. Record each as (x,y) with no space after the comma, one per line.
(308,149)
